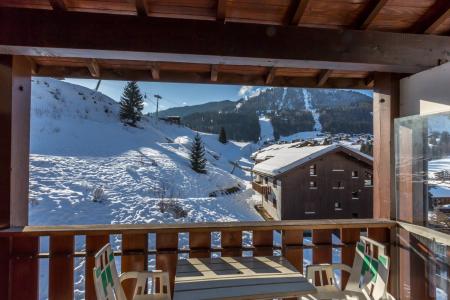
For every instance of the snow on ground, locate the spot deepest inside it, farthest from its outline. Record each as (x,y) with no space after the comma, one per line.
(80,149)
(303,135)
(314,112)
(266,131)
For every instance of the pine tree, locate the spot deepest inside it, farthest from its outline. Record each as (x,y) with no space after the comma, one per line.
(198,161)
(131,104)
(223,136)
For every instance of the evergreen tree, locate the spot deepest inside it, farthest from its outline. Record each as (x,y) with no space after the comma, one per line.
(131,104)
(198,161)
(223,136)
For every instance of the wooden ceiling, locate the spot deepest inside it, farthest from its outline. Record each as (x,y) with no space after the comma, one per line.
(403,16)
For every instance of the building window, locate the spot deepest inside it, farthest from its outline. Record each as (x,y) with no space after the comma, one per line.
(355,195)
(337,205)
(313,185)
(266,180)
(338,186)
(274,202)
(368,179)
(275,182)
(354,174)
(313,170)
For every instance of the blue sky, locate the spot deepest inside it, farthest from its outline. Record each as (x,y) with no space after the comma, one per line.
(174,94)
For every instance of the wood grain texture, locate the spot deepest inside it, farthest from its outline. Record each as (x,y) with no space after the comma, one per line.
(385,110)
(167,242)
(61,281)
(100,229)
(93,244)
(199,244)
(348,237)
(263,242)
(231,243)
(131,261)
(172,40)
(24,268)
(292,240)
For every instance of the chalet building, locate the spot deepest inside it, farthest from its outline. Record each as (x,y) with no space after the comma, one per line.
(318,182)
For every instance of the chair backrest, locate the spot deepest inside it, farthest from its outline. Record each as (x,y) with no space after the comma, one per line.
(370,271)
(106,279)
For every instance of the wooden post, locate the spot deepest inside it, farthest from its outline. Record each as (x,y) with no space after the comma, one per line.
(134,258)
(292,243)
(15,94)
(349,236)
(61,268)
(263,242)
(199,244)
(231,243)
(93,244)
(385,109)
(167,256)
(18,260)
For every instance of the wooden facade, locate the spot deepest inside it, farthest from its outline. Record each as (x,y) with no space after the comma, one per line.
(342,189)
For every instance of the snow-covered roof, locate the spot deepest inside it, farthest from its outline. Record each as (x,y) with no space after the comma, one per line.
(440,191)
(285,158)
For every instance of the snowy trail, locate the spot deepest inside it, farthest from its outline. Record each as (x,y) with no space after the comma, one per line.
(266,127)
(308,106)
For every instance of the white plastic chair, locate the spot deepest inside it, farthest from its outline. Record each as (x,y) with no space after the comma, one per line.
(108,285)
(368,275)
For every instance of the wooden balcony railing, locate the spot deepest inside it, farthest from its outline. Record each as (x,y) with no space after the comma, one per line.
(263,189)
(20,254)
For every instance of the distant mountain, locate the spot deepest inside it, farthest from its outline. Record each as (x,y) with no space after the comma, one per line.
(291,110)
(201,108)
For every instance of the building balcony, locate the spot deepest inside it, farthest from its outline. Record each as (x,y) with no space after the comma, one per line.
(261,188)
(300,242)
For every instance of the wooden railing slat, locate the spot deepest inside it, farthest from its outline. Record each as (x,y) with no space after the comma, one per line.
(263,242)
(348,236)
(61,268)
(24,272)
(93,244)
(323,253)
(231,243)
(292,239)
(137,243)
(199,244)
(167,242)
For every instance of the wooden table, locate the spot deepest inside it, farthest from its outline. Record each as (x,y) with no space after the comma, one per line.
(239,278)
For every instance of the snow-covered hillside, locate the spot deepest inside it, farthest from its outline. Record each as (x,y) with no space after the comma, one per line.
(78,146)
(80,152)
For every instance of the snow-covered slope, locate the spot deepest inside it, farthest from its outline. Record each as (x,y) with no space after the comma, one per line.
(78,145)
(79,148)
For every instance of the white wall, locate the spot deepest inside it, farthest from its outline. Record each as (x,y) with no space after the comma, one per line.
(426,92)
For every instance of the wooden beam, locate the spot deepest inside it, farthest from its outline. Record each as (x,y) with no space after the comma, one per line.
(93,244)
(155,71)
(141,8)
(94,68)
(15,98)
(369,80)
(214,73)
(132,244)
(295,12)
(371,10)
(323,77)
(42,33)
(270,76)
(61,268)
(430,21)
(34,65)
(196,77)
(221,10)
(58,4)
